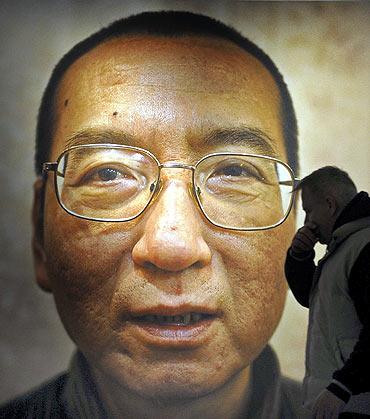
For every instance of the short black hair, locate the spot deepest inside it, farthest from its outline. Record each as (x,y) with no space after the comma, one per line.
(168,24)
(329,180)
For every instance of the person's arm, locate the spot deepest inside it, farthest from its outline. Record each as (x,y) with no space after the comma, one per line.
(299,273)
(299,264)
(354,376)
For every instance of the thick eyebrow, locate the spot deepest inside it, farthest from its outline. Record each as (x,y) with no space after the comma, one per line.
(99,136)
(253,138)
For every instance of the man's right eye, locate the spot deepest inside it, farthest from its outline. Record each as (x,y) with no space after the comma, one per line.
(107,174)
(99,176)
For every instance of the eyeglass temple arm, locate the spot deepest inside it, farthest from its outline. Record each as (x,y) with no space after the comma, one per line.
(50,167)
(289,182)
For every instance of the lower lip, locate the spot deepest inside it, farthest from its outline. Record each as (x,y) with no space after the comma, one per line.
(175,336)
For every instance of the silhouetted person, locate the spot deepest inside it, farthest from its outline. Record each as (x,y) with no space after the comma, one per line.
(337,292)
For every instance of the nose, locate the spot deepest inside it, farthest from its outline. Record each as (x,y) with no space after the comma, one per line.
(172,238)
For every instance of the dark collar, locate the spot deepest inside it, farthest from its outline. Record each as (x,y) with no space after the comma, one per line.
(358,207)
(265,397)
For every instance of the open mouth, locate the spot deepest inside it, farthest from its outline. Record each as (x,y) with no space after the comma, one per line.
(186,319)
(173,327)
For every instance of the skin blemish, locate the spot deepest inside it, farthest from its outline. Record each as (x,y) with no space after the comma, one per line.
(178,288)
(115,113)
(66,102)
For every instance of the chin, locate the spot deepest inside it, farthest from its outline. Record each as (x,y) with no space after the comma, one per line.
(171,382)
(170,389)
(181,385)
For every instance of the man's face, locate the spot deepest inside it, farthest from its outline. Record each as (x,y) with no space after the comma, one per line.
(318,213)
(167,96)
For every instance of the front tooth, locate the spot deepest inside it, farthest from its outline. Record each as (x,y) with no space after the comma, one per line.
(187,318)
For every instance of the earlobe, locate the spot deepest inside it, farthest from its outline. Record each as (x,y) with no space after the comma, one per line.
(39,257)
(39,260)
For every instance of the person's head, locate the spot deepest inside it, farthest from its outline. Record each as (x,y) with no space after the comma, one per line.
(169,25)
(325,193)
(166,304)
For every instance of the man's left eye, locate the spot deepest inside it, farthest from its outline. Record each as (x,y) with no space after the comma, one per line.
(238,171)
(107,174)
(234,171)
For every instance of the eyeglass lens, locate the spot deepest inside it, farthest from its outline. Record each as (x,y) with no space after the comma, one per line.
(106,183)
(113,183)
(243,191)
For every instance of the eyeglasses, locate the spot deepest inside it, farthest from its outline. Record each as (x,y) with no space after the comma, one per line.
(111,182)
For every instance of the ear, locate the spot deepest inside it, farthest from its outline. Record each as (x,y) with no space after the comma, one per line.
(39,257)
(332,205)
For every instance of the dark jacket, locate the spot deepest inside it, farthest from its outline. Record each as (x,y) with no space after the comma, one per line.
(355,374)
(74,395)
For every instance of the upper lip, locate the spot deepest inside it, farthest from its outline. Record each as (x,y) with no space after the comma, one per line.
(178,310)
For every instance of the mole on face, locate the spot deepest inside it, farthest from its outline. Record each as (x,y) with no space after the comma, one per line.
(66,102)
(115,113)
(178,288)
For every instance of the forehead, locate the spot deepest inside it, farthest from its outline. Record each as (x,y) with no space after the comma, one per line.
(171,91)
(309,199)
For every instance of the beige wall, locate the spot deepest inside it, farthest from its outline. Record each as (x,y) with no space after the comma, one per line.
(321,48)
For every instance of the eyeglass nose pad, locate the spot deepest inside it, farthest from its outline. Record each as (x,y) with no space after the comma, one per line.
(195,194)
(155,188)
(192,190)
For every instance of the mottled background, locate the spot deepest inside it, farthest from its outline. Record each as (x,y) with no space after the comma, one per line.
(321,48)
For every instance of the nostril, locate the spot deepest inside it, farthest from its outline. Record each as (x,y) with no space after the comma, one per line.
(199,264)
(150,266)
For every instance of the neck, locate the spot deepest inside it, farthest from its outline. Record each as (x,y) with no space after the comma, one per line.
(229,401)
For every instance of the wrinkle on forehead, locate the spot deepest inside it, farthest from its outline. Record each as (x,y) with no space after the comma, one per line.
(187,64)
(176,78)
(170,85)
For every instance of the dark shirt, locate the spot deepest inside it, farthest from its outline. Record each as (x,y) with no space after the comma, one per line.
(74,394)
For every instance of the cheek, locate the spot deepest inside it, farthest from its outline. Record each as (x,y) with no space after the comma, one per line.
(257,284)
(82,259)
